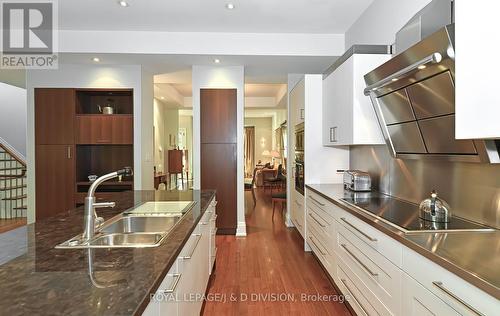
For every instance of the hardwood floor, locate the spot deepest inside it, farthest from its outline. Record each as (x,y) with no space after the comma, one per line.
(11,223)
(269,261)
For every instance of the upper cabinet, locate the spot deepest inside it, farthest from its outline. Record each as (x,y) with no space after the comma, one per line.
(297,103)
(55,116)
(477,101)
(348,115)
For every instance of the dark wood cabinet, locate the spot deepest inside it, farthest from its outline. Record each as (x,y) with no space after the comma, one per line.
(218,171)
(219,154)
(104,129)
(55,179)
(218,115)
(71,146)
(55,116)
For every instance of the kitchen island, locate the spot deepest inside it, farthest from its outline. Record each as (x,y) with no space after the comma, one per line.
(119,281)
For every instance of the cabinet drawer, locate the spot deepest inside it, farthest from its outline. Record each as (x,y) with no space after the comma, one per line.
(355,291)
(324,232)
(325,254)
(167,291)
(104,129)
(385,245)
(418,301)
(377,273)
(329,210)
(456,292)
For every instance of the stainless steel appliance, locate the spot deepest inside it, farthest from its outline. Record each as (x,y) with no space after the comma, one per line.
(435,209)
(356,180)
(299,158)
(405,215)
(108,109)
(413,95)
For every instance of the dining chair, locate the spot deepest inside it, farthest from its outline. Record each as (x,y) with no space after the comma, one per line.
(250,186)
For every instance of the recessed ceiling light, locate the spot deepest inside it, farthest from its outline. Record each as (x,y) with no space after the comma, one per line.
(96,59)
(422,67)
(229,6)
(217,61)
(394,79)
(163,98)
(123,3)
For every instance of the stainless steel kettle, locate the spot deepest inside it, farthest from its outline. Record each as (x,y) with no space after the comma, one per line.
(434,209)
(107,110)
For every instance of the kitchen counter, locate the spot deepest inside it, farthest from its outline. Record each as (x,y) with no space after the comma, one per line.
(44,280)
(473,256)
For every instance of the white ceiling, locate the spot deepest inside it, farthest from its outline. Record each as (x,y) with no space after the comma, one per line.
(263,90)
(255,16)
(177,68)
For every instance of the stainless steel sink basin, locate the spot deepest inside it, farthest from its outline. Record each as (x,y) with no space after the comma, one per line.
(141,224)
(146,225)
(127,240)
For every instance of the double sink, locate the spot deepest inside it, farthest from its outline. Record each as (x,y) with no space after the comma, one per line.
(146,225)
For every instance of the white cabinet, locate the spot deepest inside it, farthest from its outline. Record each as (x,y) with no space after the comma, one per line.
(297,103)
(383,276)
(348,115)
(183,288)
(477,101)
(418,301)
(297,212)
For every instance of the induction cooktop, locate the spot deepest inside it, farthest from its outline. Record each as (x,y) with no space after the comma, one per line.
(405,215)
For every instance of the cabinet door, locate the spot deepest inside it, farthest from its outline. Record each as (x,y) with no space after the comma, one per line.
(55,179)
(54,116)
(218,115)
(102,129)
(418,301)
(218,172)
(337,107)
(297,103)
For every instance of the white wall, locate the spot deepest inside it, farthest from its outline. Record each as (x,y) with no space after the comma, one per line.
(222,78)
(186,121)
(263,136)
(166,122)
(13,117)
(381,20)
(87,76)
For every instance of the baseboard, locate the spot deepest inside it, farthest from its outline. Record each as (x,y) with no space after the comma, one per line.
(241,230)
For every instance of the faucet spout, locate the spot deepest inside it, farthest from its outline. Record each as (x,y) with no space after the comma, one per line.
(90,215)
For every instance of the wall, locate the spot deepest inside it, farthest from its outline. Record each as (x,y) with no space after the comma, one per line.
(221,78)
(89,76)
(186,121)
(471,189)
(381,20)
(263,136)
(166,122)
(13,117)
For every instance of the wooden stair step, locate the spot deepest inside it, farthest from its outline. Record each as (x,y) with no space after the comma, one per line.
(24,207)
(14,168)
(13,187)
(13,198)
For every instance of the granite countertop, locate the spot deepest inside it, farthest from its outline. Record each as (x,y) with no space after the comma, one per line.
(473,256)
(38,279)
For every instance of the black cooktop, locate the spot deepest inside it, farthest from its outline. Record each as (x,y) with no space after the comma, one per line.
(405,215)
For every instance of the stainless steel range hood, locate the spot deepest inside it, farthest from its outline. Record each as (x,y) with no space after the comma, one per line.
(414,98)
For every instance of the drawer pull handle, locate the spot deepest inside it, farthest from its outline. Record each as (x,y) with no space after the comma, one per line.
(322,204)
(359,261)
(300,205)
(358,230)
(316,245)
(316,220)
(198,237)
(357,301)
(298,224)
(177,277)
(440,286)
(203,223)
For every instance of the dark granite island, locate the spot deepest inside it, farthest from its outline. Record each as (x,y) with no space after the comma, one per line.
(48,281)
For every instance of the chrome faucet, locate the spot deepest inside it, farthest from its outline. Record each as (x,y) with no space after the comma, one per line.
(90,218)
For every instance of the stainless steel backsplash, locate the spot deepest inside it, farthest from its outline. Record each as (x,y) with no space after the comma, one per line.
(471,189)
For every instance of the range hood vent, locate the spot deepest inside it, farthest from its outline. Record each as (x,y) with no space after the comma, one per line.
(413,95)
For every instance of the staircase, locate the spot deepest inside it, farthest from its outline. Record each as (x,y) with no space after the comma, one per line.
(12,185)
